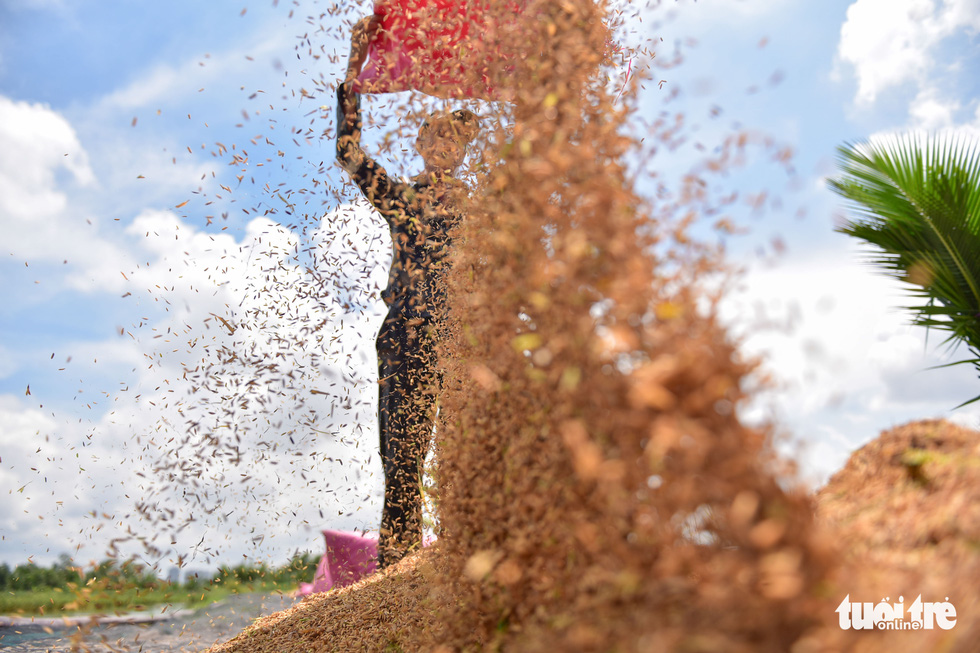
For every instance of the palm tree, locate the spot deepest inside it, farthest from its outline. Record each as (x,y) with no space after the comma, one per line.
(916,199)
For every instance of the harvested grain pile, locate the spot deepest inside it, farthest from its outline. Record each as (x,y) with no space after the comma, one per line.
(595,483)
(915,488)
(906,513)
(390,610)
(903,509)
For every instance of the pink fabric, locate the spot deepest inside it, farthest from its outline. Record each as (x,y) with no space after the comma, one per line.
(421,44)
(348,558)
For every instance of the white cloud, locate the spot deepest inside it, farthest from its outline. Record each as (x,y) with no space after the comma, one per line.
(255,408)
(890,43)
(39,477)
(175,84)
(35,144)
(715,9)
(43,165)
(963,12)
(846,360)
(45,177)
(931,112)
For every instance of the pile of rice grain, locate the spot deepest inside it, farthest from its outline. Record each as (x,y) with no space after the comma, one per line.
(901,510)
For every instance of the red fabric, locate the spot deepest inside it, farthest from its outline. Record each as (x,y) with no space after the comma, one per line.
(431,46)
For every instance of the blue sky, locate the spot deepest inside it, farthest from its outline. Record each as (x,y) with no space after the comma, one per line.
(126,239)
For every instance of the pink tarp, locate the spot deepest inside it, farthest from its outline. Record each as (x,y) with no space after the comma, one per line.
(427,45)
(348,557)
(444,48)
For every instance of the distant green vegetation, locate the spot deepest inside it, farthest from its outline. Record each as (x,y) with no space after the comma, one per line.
(113,586)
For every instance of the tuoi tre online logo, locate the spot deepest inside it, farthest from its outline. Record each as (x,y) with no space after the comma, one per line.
(920,615)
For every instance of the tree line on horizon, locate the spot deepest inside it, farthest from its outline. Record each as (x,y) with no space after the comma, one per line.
(65,574)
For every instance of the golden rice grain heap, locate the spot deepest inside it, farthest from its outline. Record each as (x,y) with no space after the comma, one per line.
(391,610)
(902,509)
(906,513)
(597,488)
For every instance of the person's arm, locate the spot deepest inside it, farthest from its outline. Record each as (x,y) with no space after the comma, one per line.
(367,174)
(364,31)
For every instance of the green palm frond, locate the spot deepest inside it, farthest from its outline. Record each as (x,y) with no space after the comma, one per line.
(916,200)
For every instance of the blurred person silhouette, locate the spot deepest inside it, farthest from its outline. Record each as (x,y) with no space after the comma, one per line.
(420,213)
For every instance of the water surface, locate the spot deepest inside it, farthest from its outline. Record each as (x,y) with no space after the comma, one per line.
(196,631)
